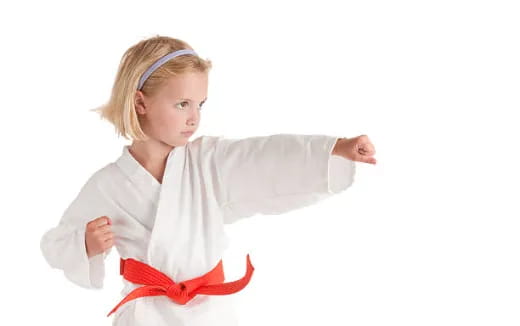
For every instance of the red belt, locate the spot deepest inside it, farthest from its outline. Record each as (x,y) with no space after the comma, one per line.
(158,283)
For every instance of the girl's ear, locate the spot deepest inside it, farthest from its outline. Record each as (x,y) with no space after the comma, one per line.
(140,106)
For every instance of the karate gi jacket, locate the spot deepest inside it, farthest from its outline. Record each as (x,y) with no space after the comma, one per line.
(178,226)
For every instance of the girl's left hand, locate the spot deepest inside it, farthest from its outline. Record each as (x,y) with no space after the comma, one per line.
(360,149)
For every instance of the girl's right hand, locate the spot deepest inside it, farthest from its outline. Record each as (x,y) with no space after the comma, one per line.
(98,236)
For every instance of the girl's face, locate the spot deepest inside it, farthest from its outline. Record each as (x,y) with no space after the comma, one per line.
(175,108)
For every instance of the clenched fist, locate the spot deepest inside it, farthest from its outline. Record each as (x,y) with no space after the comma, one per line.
(358,149)
(98,236)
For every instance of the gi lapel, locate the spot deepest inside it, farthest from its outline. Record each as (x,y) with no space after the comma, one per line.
(165,213)
(187,238)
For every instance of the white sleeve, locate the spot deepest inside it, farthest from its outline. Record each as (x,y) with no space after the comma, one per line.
(64,246)
(278,173)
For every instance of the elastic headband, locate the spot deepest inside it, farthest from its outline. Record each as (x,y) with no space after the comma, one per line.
(159,62)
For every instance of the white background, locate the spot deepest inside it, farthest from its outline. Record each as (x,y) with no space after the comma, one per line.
(428,236)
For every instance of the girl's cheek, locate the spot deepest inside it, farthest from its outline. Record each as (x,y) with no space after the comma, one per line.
(168,114)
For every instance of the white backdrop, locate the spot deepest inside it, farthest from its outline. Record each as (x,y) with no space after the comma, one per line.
(428,236)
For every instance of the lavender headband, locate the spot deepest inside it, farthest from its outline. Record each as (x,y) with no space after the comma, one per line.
(161,61)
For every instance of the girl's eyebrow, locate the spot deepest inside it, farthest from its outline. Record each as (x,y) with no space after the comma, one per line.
(182,99)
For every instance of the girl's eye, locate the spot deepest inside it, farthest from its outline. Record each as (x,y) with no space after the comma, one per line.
(179,105)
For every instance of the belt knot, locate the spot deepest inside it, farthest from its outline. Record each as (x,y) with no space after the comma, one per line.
(176,290)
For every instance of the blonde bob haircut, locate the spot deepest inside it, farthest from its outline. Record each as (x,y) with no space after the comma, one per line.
(120,109)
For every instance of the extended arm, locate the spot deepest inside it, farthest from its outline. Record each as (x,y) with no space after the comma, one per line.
(278,173)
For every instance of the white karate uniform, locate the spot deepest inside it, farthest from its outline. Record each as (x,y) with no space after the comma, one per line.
(178,227)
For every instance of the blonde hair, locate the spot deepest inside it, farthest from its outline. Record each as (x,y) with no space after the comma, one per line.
(120,109)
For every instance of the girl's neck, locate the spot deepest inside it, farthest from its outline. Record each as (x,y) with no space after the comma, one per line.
(152,155)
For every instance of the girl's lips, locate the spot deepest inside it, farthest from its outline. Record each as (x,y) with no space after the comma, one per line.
(189,133)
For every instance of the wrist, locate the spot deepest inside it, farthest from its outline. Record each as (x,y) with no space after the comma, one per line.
(338,147)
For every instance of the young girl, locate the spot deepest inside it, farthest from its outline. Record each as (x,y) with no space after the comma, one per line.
(164,202)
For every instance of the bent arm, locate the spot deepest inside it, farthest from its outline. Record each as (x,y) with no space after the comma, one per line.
(63,246)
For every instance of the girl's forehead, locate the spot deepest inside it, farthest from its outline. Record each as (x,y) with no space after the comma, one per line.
(188,85)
